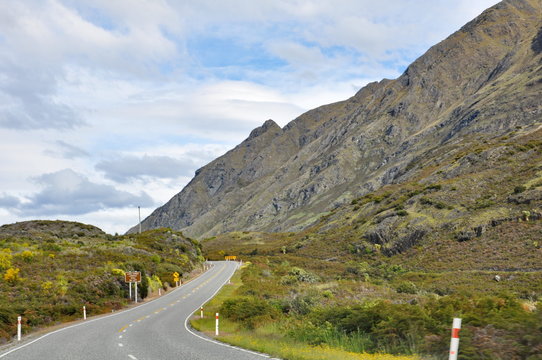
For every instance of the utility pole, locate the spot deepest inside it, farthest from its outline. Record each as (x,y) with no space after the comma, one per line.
(139,211)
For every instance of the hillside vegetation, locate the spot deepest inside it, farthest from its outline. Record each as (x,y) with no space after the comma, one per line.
(49,270)
(388,271)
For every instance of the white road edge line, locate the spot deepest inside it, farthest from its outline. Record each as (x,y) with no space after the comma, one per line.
(132,357)
(174,291)
(214,341)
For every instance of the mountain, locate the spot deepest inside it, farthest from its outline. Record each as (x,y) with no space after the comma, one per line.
(483,84)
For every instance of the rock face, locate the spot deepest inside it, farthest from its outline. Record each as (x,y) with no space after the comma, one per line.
(484,81)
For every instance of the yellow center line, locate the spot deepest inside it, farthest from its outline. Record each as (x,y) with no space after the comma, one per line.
(123,328)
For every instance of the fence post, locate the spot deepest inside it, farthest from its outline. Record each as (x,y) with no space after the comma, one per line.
(454,344)
(216,329)
(18,328)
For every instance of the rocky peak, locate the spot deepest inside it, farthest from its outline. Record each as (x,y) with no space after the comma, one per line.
(268,125)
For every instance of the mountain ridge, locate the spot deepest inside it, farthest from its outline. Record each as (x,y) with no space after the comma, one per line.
(484,80)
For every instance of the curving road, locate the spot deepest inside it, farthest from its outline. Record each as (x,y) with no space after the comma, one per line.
(152,331)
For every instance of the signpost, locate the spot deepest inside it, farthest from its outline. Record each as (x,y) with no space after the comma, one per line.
(176,278)
(132,277)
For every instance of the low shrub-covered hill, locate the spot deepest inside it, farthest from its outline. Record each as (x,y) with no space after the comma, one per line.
(49,270)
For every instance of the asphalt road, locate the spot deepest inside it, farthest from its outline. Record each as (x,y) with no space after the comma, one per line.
(152,331)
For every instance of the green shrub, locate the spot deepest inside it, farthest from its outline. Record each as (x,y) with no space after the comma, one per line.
(248,311)
(303,275)
(407,287)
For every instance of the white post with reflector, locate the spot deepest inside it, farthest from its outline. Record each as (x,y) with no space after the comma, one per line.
(84,312)
(454,345)
(201,312)
(18,328)
(216,328)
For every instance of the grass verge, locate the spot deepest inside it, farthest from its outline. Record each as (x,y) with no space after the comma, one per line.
(268,338)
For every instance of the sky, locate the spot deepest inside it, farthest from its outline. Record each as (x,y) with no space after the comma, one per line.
(107,105)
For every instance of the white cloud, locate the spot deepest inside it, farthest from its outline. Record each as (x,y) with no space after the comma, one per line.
(149,91)
(66,192)
(126,168)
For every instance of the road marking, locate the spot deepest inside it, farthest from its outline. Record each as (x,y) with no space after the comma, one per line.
(131,325)
(132,357)
(120,336)
(123,329)
(120,344)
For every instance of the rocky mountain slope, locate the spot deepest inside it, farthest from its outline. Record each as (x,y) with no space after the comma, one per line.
(478,85)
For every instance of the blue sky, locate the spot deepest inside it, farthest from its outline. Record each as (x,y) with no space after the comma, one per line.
(109,105)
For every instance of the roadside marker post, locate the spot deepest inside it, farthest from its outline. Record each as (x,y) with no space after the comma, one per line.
(216,328)
(19,328)
(135,292)
(84,312)
(130,287)
(454,345)
(201,312)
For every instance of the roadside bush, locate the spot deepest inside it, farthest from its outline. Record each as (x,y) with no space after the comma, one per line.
(491,325)
(248,311)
